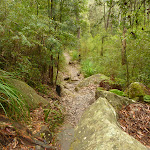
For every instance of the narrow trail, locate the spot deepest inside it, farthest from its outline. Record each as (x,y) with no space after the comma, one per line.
(75,102)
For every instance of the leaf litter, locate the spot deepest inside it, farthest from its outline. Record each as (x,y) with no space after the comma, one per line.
(135,120)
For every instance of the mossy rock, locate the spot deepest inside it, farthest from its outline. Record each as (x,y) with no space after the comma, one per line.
(28,93)
(98,129)
(136,89)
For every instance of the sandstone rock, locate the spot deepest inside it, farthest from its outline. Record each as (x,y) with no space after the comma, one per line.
(98,130)
(27,92)
(115,100)
(94,79)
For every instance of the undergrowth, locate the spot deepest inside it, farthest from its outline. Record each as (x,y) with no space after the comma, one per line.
(12,103)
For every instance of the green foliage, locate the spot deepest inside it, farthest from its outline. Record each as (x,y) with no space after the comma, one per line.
(102,43)
(147,98)
(118,92)
(54,116)
(33,38)
(75,55)
(87,68)
(12,102)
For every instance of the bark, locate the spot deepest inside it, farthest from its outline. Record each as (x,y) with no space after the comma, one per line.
(144,12)
(124,56)
(57,68)
(37,8)
(148,12)
(124,48)
(107,25)
(102,48)
(105,16)
(51,9)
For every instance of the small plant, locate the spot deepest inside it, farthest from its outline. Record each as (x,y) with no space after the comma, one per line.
(147,98)
(75,55)
(118,92)
(54,116)
(11,101)
(87,68)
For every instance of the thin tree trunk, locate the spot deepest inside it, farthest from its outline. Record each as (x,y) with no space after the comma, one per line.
(102,48)
(124,47)
(134,11)
(148,12)
(51,68)
(57,67)
(51,9)
(144,12)
(124,55)
(107,25)
(37,8)
(105,16)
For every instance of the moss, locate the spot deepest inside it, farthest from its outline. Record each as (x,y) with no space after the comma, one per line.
(118,92)
(136,90)
(100,89)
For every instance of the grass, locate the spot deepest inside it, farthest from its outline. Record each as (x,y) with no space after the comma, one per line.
(87,67)
(12,102)
(75,55)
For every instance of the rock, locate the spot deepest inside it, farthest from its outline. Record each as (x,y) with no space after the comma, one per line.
(108,84)
(115,100)
(94,79)
(37,147)
(136,89)
(98,130)
(30,95)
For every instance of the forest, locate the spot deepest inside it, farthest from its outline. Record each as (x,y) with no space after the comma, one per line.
(109,37)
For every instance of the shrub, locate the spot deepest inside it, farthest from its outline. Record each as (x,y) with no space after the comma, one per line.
(87,68)
(75,55)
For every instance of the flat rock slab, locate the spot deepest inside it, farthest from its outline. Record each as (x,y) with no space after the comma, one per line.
(66,136)
(98,130)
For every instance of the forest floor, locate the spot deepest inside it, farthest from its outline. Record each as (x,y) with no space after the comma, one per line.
(75,102)
(134,119)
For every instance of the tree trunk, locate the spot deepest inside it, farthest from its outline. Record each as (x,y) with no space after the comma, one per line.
(123,52)
(144,12)
(107,25)
(102,48)
(148,12)
(57,67)
(105,16)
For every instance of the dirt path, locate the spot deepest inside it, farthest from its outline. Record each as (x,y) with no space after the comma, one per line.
(75,102)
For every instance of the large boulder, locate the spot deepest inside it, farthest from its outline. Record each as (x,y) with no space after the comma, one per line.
(28,93)
(136,89)
(94,79)
(98,128)
(115,100)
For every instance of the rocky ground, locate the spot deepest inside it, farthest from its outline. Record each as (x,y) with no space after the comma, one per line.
(75,100)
